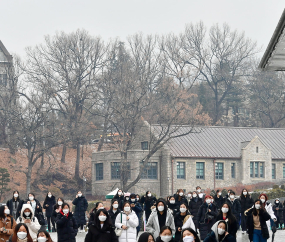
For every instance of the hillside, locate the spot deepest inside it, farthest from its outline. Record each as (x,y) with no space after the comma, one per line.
(53,175)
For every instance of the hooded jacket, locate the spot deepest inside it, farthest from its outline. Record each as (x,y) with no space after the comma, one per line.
(278,213)
(214,235)
(34,225)
(153,223)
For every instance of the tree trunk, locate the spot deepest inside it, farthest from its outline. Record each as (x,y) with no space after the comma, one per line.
(42,161)
(29,173)
(63,153)
(76,175)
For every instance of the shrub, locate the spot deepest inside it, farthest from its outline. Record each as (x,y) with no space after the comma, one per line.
(56,192)
(283,187)
(275,186)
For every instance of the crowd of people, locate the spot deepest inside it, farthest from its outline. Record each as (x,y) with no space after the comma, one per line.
(191,217)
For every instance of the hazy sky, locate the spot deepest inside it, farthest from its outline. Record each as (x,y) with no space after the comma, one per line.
(25,22)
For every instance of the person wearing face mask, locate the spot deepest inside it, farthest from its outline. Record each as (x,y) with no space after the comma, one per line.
(101,229)
(235,206)
(228,195)
(256,222)
(189,196)
(98,205)
(114,211)
(194,205)
(37,208)
(127,220)
(159,218)
(189,235)
(81,206)
(268,207)
(44,236)
(179,219)
(21,234)
(67,227)
(15,205)
(218,199)
(120,197)
(136,207)
(27,216)
(278,212)
(219,233)
(246,202)
(48,206)
(7,223)
(56,208)
(200,193)
(149,201)
(206,217)
(172,205)
(165,235)
(226,215)
(180,198)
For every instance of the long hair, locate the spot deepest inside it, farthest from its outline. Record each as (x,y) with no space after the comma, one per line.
(254,210)
(47,197)
(231,218)
(18,226)
(226,225)
(115,200)
(56,205)
(144,237)
(97,221)
(46,234)
(241,195)
(94,210)
(2,214)
(18,198)
(192,232)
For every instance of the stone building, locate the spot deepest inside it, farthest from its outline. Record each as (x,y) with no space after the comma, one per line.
(6,62)
(211,157)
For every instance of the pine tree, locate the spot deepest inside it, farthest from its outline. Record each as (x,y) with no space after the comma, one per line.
(4,179)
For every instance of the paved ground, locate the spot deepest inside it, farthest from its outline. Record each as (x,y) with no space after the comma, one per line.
(279,237)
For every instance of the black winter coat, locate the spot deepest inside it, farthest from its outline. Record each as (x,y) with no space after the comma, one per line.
(10,204)
(194,206)
(263,217)
(183,199)
(38,209)
(232,228)
(212,238)
(178,221)
(278,213)
(236,208)
(246,202)
(219,202)
(174,207)
(66,228)
(148,203)
(206,219)
(81,206)
(98,234)
(50,201)
(113,216)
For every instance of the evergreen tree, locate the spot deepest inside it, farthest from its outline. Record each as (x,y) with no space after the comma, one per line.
(4,179)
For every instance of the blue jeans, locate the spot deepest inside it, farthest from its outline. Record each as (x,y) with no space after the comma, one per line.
(257,236)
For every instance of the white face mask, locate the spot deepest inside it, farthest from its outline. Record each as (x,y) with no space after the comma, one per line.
(189,195)
(127,209)
(201,195)
(262,200)
(59,203)
(115,205)
(149,195)
(42,239)
(208,201)
(232,196)
(119,193)
(221,231)
(27,214)
(48,196)
(181,194)
(212,200)
(257,206)
(102,218)
(188,239)
(127,198)
(199,190)
(31,198)
(219,193)
(22,235)
(160,208)
(183,210)
(65,211)
(225,210)
(172,201)
(133,200)
(79,194)
(244,193)
(16,195)
(166,238)
(7,211)
(194,195)
(100,208)
(277,201)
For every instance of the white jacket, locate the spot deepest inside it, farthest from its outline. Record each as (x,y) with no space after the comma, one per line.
(130,234)
(34,225)
(269,210)
(189,224)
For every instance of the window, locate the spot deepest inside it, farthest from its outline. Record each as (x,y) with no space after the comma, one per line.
(219,170)
(144,145)
(181,170)
(3,79)
(256,149)
(99,171)
(257,169)
(273,171)
(233,170)
(150,172)
(200,170)
(283,170)
(116,170)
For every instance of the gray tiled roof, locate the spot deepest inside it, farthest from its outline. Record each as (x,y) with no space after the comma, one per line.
(223,141)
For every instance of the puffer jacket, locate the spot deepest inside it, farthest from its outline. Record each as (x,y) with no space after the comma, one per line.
(219,201)
(81,206)
(130,234)
(246,202)
(9,225)
(153,223)
(113,215)
(213,236)
(194,205)
(34,225)
(278,213)
(98,234)
(66,227)
(178,221)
